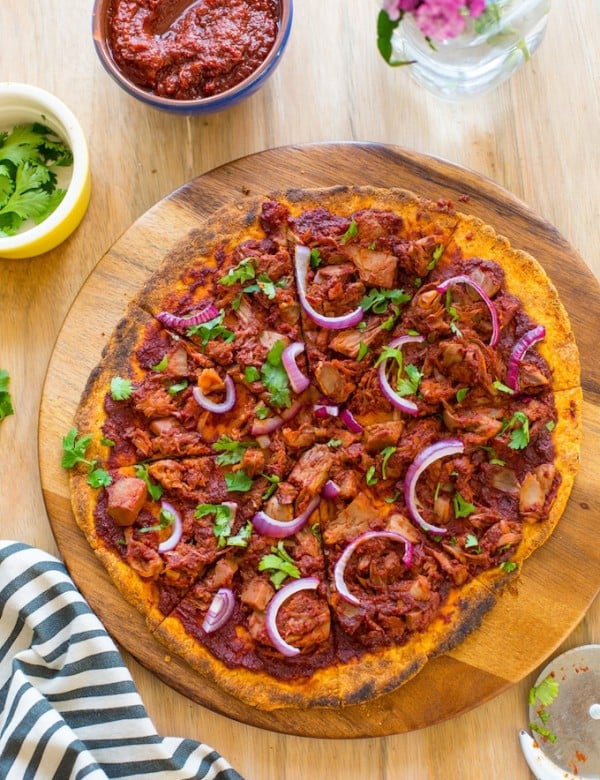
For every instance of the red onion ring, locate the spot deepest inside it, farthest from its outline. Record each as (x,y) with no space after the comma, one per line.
(326,410)
(350,421)
(464,279)
(340,567)
(270,424)
(273,607)
(406,406)
(298,381)
(301,259)
(209,312)
(220,610)
(440,449)
(176,529)
(280,529)
(330,489)
(528,340)
(211,406)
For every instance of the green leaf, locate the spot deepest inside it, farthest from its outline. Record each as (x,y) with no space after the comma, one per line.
(461,394)
(508,566)
(545,692)
(6,407)
(315,258)
(462,508)
(280,563)
(409,384)
(519,431)
(352,232)
(435,258)
(154,489)
(120,388)
(232,450)
(74,449)
(251,374)
(370,477)
(385,30)
(99,478)
(273,480)
(386,453)
(243,272)
(497,385)
(274,377)
(471,542)
(212,330)
(362,351)
(238,481)
(377,300)
(222,522)
(162,365)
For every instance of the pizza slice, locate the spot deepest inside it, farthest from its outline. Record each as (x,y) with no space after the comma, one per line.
(532,315)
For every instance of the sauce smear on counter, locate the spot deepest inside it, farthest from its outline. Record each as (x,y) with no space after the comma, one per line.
(190,50)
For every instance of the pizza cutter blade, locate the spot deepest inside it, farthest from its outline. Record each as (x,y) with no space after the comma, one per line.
(564,712)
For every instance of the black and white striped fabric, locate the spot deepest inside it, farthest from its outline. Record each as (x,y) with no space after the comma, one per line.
(69,707)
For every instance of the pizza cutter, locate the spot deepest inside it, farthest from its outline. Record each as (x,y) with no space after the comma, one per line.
(564,717)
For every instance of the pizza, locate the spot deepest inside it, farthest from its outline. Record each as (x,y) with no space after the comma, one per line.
(326,433)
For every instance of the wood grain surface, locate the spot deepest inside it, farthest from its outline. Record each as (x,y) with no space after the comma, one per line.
(557,585)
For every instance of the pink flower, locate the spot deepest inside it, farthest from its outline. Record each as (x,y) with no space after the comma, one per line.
(476,7)
(441,19)
(394,8)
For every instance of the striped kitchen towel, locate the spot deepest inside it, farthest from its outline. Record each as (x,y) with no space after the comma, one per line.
(69,707)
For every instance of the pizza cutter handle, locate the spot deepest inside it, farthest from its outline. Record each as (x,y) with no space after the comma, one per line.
(539,763)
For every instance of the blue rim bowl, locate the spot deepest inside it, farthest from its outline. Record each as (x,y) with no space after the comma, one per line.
(208,105)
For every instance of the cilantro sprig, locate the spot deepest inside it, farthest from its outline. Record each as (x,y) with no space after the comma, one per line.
(280,563)
(518,425)
(275,378)
(74,450)
(231,450)
(29,155)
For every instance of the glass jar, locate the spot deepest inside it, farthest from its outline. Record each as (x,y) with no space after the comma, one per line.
(491,48)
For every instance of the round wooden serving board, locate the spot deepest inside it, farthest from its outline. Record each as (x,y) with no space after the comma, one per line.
(557,584)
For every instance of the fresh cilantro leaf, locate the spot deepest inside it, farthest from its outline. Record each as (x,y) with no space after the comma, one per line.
(334,443)
(543,732)
(261,412)
(6,407)
(251,374)
(242,536)
(222,522)
(99,478)
(212,330)
(362,351)
(462,508)
(315,258)
(471,542)
(273,480)
(550,425)
(74,449)
(461,394)
(238,481)
(392,499)
(545,692)
(120,389)
(508,566)
(518,426)
(377,300)
(453,314)
(409,384)
(351,232)
(280,563)
(232,450)
(165,520)
(274,376)
(154,489)
(107,442)
(243,272)
(264,285)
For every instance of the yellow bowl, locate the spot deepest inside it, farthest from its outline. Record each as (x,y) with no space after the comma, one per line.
(23,104)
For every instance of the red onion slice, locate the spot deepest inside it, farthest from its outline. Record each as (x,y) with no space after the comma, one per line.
(330,489)
(273,607)
(212,406)
(270,424)
(302,257)
(220,610)
(176,528)
(350,421)
(523,344)
(464,279)
(280,529)
(298,381)
(406,406)
(440,449)
(340,567)
(326,410)
(209,312)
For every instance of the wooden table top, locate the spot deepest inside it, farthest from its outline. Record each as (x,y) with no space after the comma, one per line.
(536,136)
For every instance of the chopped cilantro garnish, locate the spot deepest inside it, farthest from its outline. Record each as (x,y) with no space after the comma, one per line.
(545,692)
(453,314)
(462,508)
(274,376)
(280,563)
(550,425)
(273,481)
(435,258)
(162,365)
(232,450)
(508,566)
(211,330)
(165,520)
(497,385)
(177,387)
(461,394)
(120,389)
(362,351)
(265,285)
(386,453)
(518,426)
(154,489)
(334,443)
(352,232)
(6,407)
(243,272)
(238,481)
(315,258)
(251,374)
(472,542)
(409,384)
(370,477)
(74,450)
(222,521)
(377,300)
